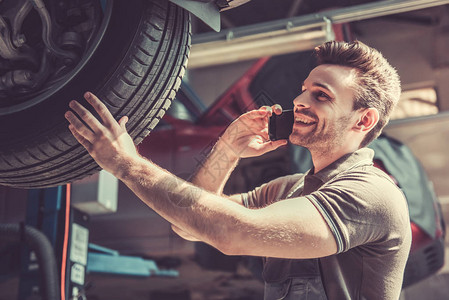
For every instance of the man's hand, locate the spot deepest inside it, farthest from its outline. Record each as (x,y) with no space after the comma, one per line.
(248,136)
(107,141)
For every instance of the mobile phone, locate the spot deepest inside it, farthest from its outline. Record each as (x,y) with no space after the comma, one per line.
(280,126)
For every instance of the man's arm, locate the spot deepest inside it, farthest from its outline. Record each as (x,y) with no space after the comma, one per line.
(291,229)
(247,136)
(216,169)
(212,176)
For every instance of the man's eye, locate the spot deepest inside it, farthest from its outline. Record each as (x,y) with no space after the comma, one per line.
(322,96)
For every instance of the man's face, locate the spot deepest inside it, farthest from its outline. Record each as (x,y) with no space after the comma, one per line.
(324,110)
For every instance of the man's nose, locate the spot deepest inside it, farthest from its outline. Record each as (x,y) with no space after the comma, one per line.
(302,100)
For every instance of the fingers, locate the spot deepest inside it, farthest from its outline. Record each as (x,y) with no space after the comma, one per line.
(267,109)
(277,109)
(101,109)
(80,128)
(122,122)
(84,142)
(278,143)
(273,145)
(90,119)
(86,116)
(259,113)
(260,144)
(264,111)
(264,133)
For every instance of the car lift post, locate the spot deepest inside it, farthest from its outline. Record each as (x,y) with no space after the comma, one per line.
(46,211)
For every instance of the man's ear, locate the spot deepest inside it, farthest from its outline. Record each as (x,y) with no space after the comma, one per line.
(367,120)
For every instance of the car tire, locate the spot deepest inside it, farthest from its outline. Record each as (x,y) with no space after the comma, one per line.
(135,69)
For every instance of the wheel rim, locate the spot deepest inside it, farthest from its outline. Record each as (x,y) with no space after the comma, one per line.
(40,96)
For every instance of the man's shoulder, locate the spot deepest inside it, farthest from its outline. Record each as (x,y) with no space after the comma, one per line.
(371,188)
(273,190)
(368,206)
(286,180)
(368,174)
(382,192)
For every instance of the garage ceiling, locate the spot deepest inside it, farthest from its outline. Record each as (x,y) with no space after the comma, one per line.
(258,11)
(255,29)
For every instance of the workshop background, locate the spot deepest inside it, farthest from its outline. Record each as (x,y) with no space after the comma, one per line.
(415,41)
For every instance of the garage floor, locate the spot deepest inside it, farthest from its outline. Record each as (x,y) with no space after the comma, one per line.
(433,288)
(213,286)
(194,283)
(217,285)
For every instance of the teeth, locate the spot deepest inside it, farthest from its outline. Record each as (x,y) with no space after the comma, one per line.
(305,121)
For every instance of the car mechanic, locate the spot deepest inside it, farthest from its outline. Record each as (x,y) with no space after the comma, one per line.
(340,231)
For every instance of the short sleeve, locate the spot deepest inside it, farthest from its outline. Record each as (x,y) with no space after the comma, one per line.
(270,192)
(363,208)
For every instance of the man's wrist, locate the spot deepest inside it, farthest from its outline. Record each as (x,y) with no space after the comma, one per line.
(225,150)
(125,167)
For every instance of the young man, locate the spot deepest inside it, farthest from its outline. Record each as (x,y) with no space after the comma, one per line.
(341,231)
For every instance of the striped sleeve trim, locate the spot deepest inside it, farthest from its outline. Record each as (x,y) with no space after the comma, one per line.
(330,222)
(245,200)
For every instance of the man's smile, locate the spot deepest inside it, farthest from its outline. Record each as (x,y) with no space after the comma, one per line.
(303,120)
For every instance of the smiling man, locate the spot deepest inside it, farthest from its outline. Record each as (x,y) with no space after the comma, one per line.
(340,231)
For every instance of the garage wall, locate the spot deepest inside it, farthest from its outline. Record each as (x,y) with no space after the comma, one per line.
(417,49)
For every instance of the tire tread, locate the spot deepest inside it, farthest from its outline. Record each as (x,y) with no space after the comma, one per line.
(142,87)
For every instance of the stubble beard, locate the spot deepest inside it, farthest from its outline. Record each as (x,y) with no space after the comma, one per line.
(325,141)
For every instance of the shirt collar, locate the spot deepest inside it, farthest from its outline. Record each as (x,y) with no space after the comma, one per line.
(363,156)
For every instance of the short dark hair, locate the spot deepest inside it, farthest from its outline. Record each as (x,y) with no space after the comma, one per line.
(377,84)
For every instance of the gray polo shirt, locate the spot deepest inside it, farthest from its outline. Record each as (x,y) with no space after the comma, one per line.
(368,216)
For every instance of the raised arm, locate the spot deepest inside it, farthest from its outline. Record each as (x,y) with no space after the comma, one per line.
(246,137)
(291,229)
